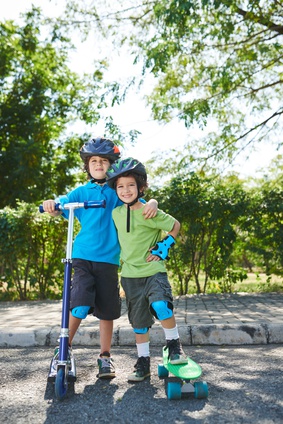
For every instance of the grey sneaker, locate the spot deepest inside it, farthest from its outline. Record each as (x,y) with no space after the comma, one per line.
(176,354)
(106,366)
(142,369)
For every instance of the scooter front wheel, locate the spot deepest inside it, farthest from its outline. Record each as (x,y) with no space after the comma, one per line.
(61,384)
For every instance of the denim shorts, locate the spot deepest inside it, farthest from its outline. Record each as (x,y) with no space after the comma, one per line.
(96,284)
(141,292)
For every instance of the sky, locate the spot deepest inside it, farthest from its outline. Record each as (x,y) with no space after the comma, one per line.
(134,113)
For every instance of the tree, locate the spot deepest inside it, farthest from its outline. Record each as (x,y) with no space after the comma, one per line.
(215,62)
(39,96)
(264,228)
(29,259)
(215,59)
(209,210)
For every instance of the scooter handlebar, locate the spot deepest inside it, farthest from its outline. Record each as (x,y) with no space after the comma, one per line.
(95,204)
(91,204)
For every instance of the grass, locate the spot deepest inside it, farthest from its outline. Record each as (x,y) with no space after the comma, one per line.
(260,283)
(254,283)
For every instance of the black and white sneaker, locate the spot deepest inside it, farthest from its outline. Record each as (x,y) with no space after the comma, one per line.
(106,368)
(142,369)
(176,354)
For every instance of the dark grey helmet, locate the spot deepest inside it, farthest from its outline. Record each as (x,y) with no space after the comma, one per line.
(123,166)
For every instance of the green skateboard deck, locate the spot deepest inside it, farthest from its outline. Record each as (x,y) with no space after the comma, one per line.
(189,371)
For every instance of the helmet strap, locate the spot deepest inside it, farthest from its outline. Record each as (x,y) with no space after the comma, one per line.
(128,218)
(129,212)
(97,180)
(140,194)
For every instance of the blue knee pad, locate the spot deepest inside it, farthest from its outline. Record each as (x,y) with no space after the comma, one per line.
(80,312)
(162,309)
(140,330)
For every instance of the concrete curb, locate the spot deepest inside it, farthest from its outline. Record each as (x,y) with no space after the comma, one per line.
(210,334)
(224,319)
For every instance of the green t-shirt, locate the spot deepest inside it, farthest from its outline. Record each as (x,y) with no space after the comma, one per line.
(144,234)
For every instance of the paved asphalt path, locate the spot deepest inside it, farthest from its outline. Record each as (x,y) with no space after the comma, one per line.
(245,386)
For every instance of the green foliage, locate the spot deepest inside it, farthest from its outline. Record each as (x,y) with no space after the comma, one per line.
(216,60)
(265,228)
(31,245)
(212,62)
(39,96)
(209,211)
(230,279)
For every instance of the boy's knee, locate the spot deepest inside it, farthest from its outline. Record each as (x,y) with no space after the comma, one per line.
(162,309)
(80,312)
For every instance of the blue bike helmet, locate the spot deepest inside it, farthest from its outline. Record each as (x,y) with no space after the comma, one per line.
(100,146)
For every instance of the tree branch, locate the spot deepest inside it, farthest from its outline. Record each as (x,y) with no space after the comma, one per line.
(261,20)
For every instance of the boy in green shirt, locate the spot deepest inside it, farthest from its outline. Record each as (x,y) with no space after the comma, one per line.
(143,275)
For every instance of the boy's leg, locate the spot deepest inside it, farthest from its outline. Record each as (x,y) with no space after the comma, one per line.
(176,354)
(105,362)
(142,366)
(107,308)
(141,320)
(161,305)
(74,324)
(163,311)
(106,332)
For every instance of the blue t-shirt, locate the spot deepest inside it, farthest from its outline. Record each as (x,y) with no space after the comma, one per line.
(97,240)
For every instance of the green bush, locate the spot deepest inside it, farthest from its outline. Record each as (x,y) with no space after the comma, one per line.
(31,248)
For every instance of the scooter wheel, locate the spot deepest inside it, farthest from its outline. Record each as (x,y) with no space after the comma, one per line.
(61,384)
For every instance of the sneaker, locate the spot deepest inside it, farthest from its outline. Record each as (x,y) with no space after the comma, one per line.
(142,369)
(176,354)
(54,362)
(105,366)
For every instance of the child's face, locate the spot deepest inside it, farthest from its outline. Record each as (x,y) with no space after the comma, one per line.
(127,189)
(98,167)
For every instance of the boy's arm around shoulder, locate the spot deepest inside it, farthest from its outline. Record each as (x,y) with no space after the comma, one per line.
(150,208)
(175,230)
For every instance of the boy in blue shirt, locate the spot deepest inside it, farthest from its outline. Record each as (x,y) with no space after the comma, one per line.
(143,275)
(96,251)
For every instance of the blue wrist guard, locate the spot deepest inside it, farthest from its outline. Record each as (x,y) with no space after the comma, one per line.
(162,247)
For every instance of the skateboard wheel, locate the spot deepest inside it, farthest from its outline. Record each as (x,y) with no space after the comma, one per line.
(174,391)
(201,390)
(162,371)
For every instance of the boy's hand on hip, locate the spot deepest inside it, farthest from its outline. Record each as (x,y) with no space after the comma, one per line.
(152,258)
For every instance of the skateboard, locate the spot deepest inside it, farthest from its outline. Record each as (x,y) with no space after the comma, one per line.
(185,374)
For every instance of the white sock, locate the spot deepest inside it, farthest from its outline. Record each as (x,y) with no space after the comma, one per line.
(171,333)
(143,349)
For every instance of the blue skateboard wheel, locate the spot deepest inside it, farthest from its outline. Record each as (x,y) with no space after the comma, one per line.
(174,391)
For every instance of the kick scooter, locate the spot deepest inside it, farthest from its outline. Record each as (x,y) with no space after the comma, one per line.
(63,368)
